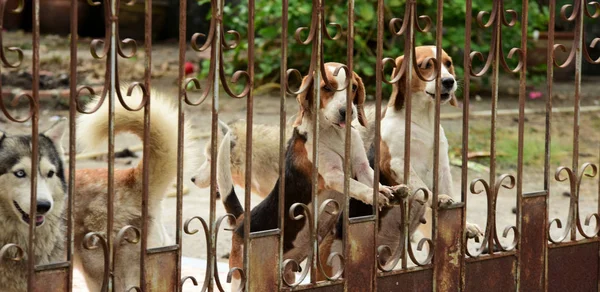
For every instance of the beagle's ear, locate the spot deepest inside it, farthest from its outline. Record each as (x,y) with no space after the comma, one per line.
(398,88)
(305,100)
(359,100)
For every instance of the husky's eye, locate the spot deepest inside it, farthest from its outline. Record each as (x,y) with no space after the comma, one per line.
(20,173)
(50,174)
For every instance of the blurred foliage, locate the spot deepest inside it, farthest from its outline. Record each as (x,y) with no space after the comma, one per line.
(268,34)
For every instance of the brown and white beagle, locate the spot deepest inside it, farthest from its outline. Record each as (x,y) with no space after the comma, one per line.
(298,175)
(391,162)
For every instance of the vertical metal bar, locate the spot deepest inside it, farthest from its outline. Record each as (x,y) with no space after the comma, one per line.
(548,135)
(377,139)
(34,141)
(408,57)
(522,92)
(436,131)
(282,130)
(72,140)
(495,74)
(111,131)
(577,103)
(348,138)
(146,150)
(180,132)
(465,129)
(318,45)
(216,51)
(249,122)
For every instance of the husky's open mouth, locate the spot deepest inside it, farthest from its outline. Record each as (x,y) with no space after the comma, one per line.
(39,219)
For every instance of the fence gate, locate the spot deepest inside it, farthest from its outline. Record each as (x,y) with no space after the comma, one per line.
(545,254)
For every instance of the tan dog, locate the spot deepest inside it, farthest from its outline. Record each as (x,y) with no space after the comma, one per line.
(298,175)
(91,188)
(265,157)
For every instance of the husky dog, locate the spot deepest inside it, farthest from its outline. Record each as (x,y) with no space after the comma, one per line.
(91,188)
(15,185)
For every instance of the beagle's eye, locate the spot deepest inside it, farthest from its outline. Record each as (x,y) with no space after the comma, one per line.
(20,173)
(50,174)
(327,89)
(448,64)
(354,87)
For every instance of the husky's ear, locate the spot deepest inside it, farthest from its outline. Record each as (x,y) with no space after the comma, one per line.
(56,132)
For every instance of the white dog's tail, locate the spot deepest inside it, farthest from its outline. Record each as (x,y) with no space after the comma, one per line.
(224,177)
(92,130)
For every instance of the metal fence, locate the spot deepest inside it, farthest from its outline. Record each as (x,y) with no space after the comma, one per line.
(536,261)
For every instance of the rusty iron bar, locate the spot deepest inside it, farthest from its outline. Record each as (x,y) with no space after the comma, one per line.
(348,135)
(377,139)
(72,140)
(318,5)
(146,151)
(249,123)
(548,121)
(180,139)
(112,64)
(464,177)
(521,134)
(282,131)
(436,136)
(34,139)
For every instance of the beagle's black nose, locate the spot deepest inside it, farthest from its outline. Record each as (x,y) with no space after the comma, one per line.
(343,113)
(43,207)
(448,82)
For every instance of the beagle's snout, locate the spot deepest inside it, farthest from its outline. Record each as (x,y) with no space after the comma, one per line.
(43,206)
(343,114)
(448,82)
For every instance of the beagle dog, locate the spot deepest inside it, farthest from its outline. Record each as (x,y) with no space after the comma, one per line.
(265,157)
(391,160)
(299,164)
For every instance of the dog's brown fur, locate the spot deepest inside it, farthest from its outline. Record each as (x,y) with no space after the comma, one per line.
(90,207)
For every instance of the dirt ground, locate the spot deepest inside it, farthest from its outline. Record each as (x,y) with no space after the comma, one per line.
(266,111)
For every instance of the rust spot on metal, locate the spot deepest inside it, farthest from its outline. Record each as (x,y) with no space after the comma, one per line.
(573,267)
(533,243)
(52,281)
(491,274)
(264,263)
(412,281)
(359,267)
(448,249)
(161,271)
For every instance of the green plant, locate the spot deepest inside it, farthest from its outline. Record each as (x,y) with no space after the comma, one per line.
(268,33)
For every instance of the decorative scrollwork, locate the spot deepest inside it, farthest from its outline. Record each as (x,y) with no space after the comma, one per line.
(128,234)
(217,26)
(95,240)
(490,237)
(335,211)
(242,277)
(317,25)
(186,229)
(403,27)
(294,264)
(579,9)
(498,14)
(11,252)
(214,251)
(99,49)
(574,220)
(400,252)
